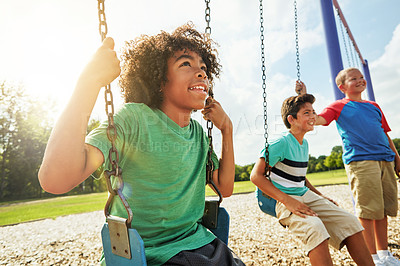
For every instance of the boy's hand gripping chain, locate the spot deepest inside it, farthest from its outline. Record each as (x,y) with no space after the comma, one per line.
(116,234)
(215,217)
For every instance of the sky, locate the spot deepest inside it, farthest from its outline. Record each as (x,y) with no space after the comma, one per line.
(45,44)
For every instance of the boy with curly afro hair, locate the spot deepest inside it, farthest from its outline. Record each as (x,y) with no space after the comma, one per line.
(162,151)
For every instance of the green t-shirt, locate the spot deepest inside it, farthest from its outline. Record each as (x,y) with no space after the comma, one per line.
(164,169)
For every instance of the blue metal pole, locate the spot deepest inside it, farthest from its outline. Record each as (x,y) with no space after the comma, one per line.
(332,42)
(367,77)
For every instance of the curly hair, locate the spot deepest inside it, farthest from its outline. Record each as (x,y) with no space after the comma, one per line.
(292,105)
(144,62)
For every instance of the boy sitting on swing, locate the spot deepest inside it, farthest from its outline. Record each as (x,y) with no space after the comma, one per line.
(315,219)
(162,151)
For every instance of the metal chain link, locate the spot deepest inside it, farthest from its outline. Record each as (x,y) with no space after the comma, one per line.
(352,53)
(207,32)
(208,18)
(108,96)
(343,37)
(264,87)
(297,40)
(210,164)
(102,20)
(113,156)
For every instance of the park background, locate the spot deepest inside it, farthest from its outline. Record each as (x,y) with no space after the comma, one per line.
(45,44)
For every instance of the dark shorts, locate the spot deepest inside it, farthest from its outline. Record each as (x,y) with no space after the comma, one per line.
(215,253)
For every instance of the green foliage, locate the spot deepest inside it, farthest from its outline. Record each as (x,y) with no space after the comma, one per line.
(242,173)
(316,164)
(324,163)
(24,130)
(334,161)
(25,126)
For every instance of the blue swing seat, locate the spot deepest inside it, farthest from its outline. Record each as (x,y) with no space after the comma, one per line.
(266,203)
(137,253)
(138,256)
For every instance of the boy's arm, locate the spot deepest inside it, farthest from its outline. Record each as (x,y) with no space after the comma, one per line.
(320,121)
(68,160)
(302,89)
(316,191)
(260,180)
(396,158)
(224,177)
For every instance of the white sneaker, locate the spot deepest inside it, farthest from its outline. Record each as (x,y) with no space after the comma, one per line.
(379,262)
(390,260)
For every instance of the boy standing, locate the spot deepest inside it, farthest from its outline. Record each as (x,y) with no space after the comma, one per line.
(312,217)
(370,157)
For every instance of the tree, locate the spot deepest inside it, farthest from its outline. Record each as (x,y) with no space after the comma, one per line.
(320,166)
(242,173)
(312,163)
(334,161)
(24,130)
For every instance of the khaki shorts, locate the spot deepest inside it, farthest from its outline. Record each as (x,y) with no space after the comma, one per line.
(374,188)
(332,222)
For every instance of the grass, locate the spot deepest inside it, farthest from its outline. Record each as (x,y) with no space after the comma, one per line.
(14,213)
(328,178)
(23,211)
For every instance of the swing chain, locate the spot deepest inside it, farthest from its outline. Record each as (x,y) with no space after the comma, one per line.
(343,36)
(210,164)
(113,156)
(297,40)
(264,87)
(102,20)
(208,18)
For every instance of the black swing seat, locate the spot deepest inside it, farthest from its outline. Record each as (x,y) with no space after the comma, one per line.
(266,203)
(216,219)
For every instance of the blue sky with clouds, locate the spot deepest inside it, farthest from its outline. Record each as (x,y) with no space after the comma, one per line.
(45,44)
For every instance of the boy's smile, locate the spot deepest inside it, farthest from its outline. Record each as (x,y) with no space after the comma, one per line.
(353,85)
(305,120)
(202,89)
(187,83)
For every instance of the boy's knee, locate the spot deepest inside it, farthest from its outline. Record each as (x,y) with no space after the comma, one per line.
(314,233)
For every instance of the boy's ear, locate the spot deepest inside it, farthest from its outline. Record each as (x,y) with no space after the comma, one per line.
(290,119)
(341,88)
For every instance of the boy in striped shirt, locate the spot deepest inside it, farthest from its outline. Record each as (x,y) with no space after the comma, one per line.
(315,219)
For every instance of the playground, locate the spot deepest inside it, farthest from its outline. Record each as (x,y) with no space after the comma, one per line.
(255,236)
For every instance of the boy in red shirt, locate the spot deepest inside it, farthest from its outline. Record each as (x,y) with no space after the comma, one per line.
(370,157)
